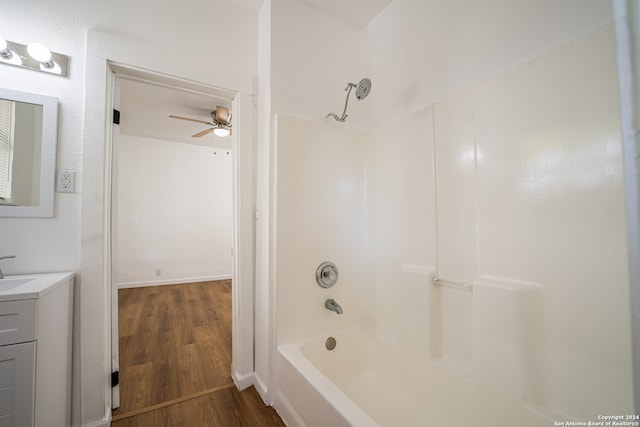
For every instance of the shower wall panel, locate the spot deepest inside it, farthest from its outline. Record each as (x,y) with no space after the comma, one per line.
(401,219)
(530,211)
(456,160)
(320,217)
(456,165)
(551,211)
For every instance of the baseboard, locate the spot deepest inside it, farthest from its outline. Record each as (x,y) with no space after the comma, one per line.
(262,389)
(99,423)
(155,282)
(243,381)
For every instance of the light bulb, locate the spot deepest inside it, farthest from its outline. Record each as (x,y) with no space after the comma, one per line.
(5,52)
(39,52)
(221,131)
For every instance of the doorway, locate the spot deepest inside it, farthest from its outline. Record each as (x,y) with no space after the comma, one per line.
(242,192)
(171,225)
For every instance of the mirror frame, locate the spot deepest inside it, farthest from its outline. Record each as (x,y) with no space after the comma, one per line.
(48,156)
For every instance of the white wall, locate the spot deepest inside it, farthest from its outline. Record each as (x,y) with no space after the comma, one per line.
(174,212)
(140,34)
(417,51)
(528,206)
(264,304)
(63,27)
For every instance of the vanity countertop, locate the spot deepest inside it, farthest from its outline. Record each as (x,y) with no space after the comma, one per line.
(31,286)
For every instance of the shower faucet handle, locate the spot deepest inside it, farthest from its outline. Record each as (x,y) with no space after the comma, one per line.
(327,274)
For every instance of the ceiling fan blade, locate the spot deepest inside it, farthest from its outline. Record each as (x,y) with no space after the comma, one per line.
(192,120)
(203,133)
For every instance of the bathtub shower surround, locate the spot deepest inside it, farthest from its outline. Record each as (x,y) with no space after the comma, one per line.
(510,193)
(320,200)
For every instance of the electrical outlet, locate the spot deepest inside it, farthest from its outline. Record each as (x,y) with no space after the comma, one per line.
(66,181)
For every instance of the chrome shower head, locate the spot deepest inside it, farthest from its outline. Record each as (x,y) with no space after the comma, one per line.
(363,89)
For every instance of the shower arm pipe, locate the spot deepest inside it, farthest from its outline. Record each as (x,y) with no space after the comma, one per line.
(346,102)
(436,281)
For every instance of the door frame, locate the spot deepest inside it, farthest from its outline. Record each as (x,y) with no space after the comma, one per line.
(119,73)
(242,343)
(106,54)
(242,268)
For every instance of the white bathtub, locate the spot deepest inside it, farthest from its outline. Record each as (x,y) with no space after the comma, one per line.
(365,381)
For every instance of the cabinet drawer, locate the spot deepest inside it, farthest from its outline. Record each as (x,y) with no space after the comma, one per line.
(17,321)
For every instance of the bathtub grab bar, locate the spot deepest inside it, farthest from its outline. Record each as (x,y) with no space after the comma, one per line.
(448,283)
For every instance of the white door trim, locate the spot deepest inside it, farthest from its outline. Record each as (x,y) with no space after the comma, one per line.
(242,376)
(105,53)
(112,178)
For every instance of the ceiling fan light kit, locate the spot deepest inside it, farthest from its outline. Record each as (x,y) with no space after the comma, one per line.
(221,131)
(220,120)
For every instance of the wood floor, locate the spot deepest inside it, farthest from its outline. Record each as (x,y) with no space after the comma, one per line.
(175,360)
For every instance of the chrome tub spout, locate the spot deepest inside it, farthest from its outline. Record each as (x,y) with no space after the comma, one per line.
(332,305)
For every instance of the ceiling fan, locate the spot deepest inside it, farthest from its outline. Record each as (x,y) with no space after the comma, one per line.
(220,120)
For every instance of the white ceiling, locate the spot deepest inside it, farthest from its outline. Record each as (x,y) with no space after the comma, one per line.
(355,12)
(247,4)
(145,110)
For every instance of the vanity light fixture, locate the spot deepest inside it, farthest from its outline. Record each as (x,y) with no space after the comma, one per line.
(5,52)
(6,55)
(35,56)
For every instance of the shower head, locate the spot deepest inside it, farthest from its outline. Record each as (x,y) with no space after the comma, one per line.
(363,89)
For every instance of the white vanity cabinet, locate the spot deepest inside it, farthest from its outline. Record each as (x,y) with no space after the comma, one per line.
(35,350)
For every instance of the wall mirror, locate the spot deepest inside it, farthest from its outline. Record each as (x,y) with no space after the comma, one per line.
(28,137)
